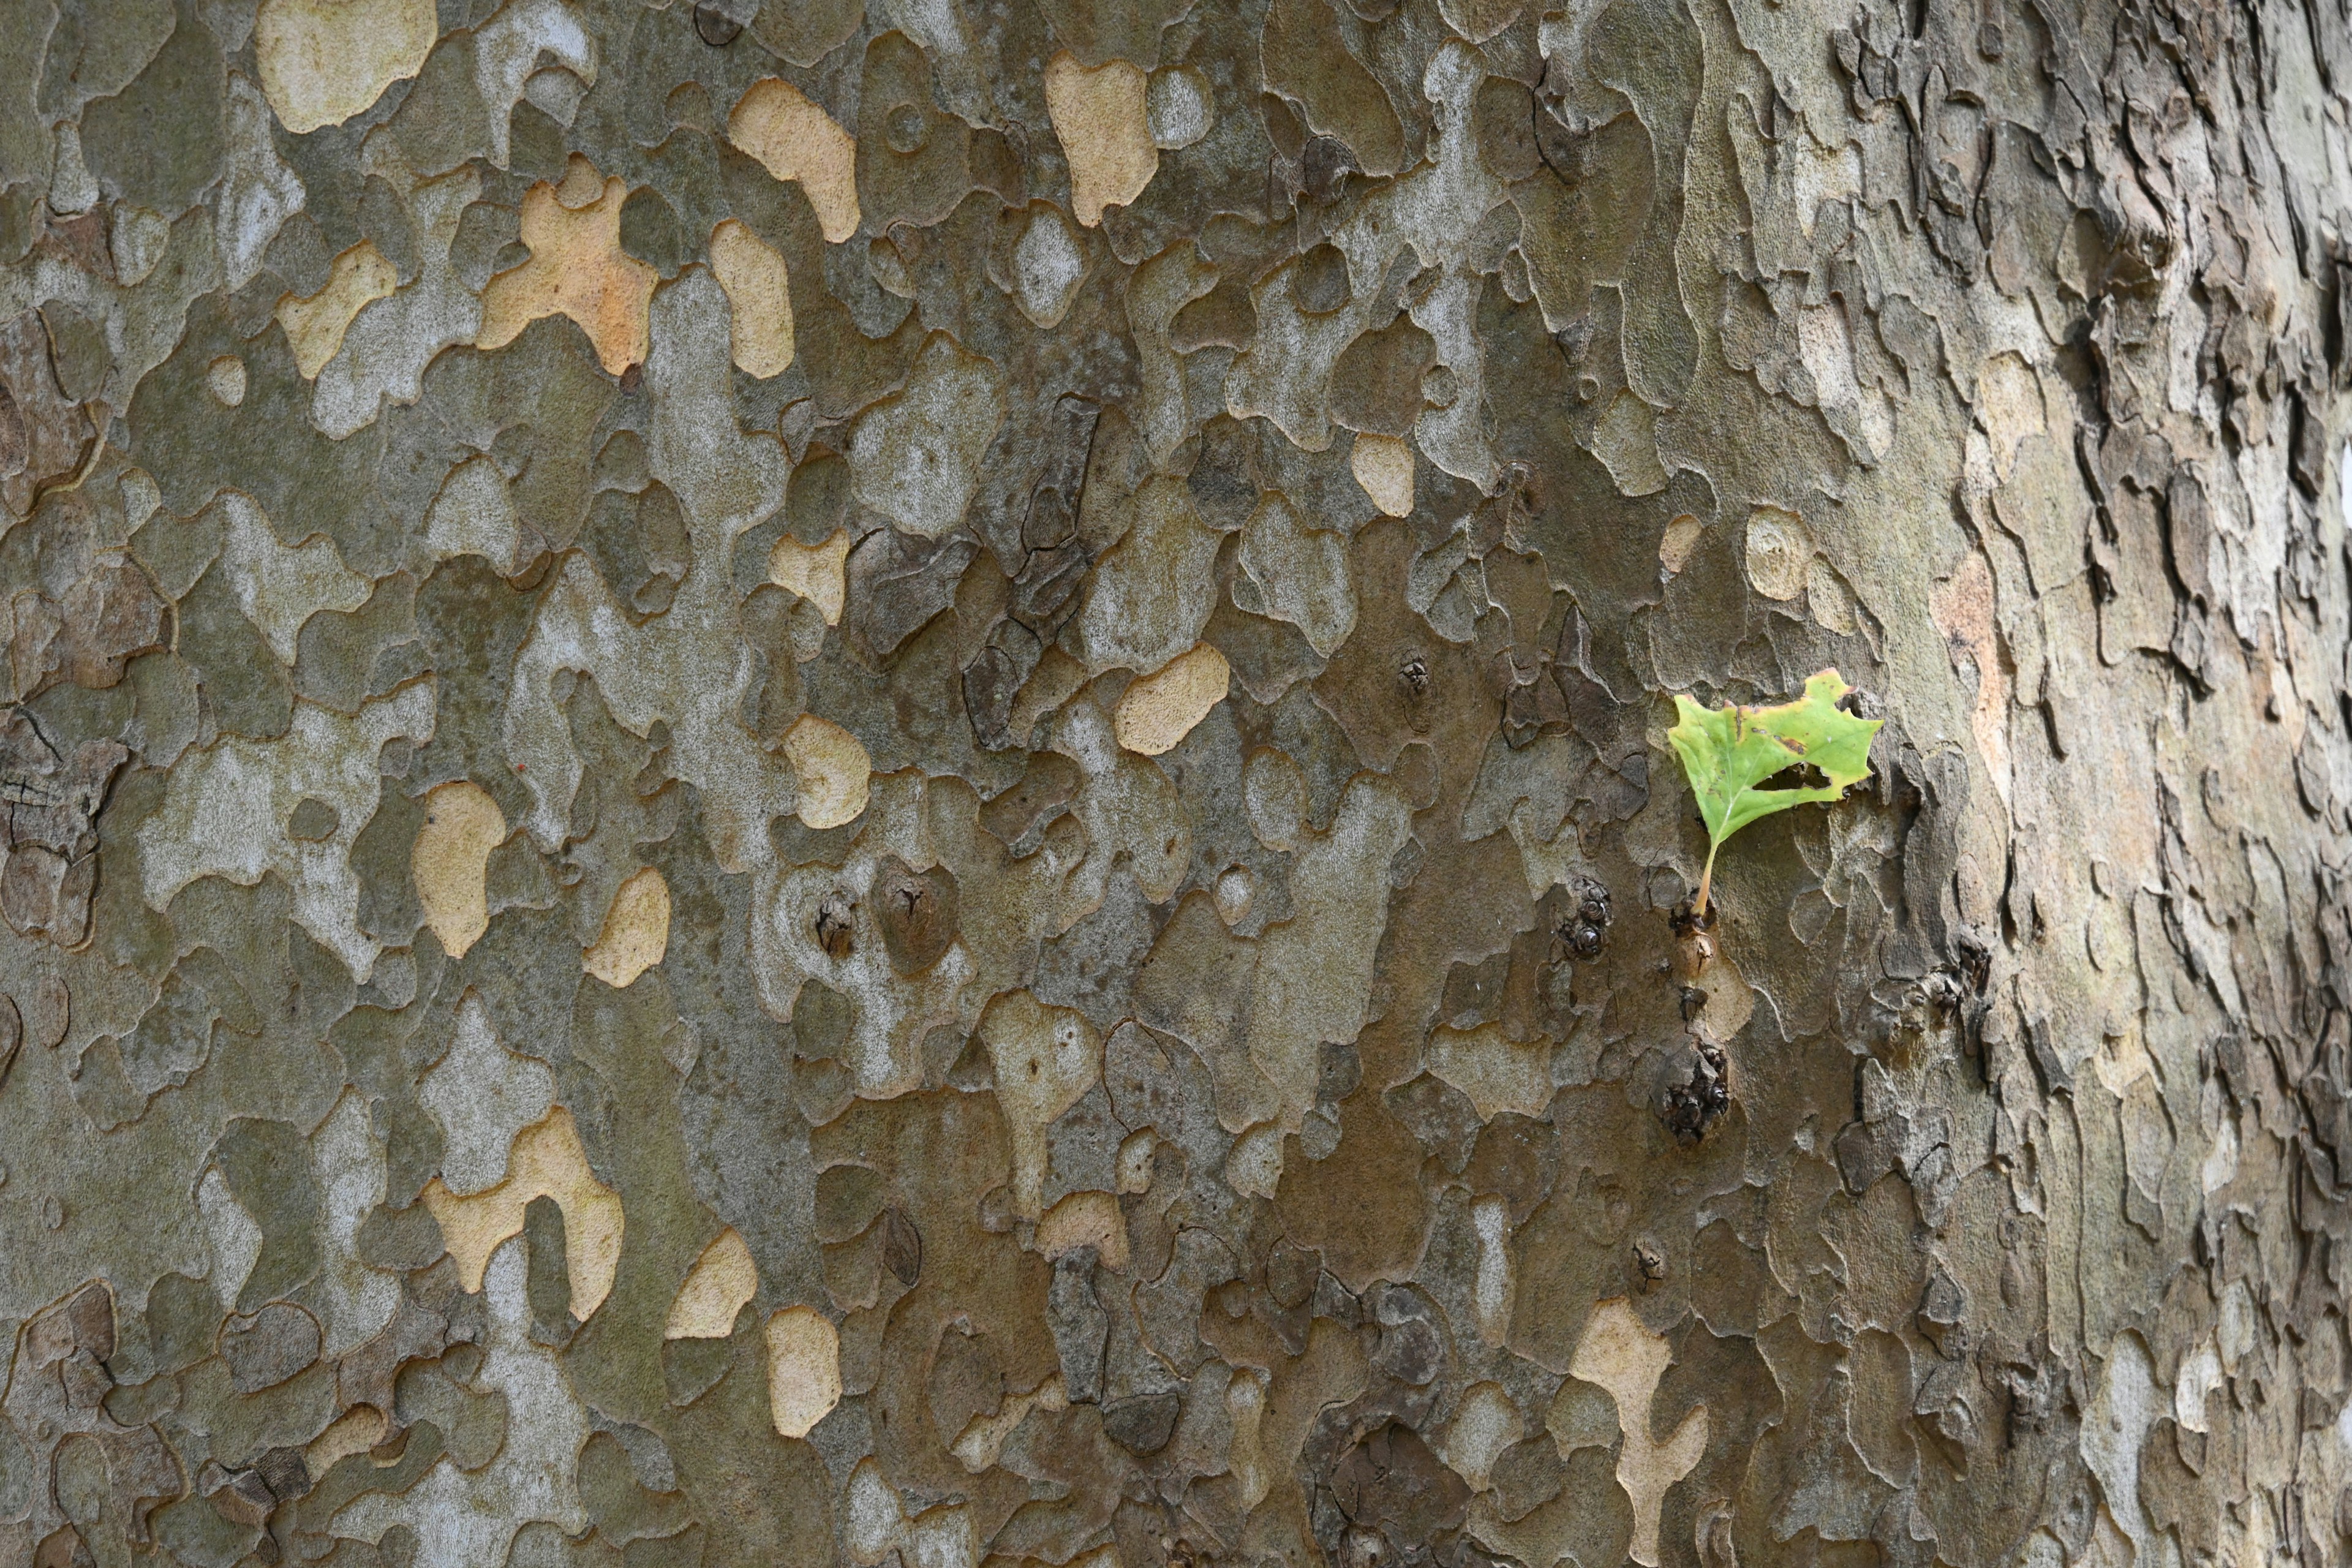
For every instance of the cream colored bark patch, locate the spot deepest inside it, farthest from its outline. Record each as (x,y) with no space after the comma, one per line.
(1619,1355)
(983,1439)
(1779,551)
(451,859)
(1046,1060)
(315,326)
(359,1428)
(1383,467)
(1680,539)
(758,298)
(577,268)
(816,572)
(2011,407)
(635,933)
(795,140)
(1084,1219)
(803,1368)
(1495,1072)
(1104,120)
(833,768)
(323,61)
(547,1161)
(720,1284)
(1161,709)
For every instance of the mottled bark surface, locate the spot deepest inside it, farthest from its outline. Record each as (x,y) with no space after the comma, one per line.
(856,784)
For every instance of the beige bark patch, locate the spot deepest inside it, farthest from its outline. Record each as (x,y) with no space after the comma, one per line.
(1619,1355)
(796,141)
(323,61)
(1084,1219)
(720,1284)
(832,769)
(1779,551)
(315,326)
(814,572)
(803,1368)
(451,859)
(1104,120)
(983,1438)
(1046,1060)
(1680,539)
(547,1161)
(759,299)
(1829,599)
(356,1431)
(2011,407)
(577,268)
(635,933)
(1161,709)
(1383,467)
(1494,1071)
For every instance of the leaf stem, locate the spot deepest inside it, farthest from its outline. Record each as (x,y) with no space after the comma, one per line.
(1698,908)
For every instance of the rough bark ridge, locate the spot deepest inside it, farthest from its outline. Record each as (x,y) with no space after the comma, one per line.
(813,784)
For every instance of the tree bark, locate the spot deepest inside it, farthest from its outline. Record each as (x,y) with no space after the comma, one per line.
(807,784)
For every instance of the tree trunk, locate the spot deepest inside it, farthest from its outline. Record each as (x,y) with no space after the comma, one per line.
(791,785)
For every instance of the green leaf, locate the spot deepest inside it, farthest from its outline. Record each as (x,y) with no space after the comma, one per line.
(1728,753)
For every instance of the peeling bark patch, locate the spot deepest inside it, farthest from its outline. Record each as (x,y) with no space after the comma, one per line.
(546,1160)
(814,572)
(315,324)
(577,268)
(1162,708)
(635,933)
(804,1370)
(1384,466)
(832,769)
(1619,1355)
(1102,120)
(759,297)
(720,1284)
(795,140)
(323,62)
(450,862)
